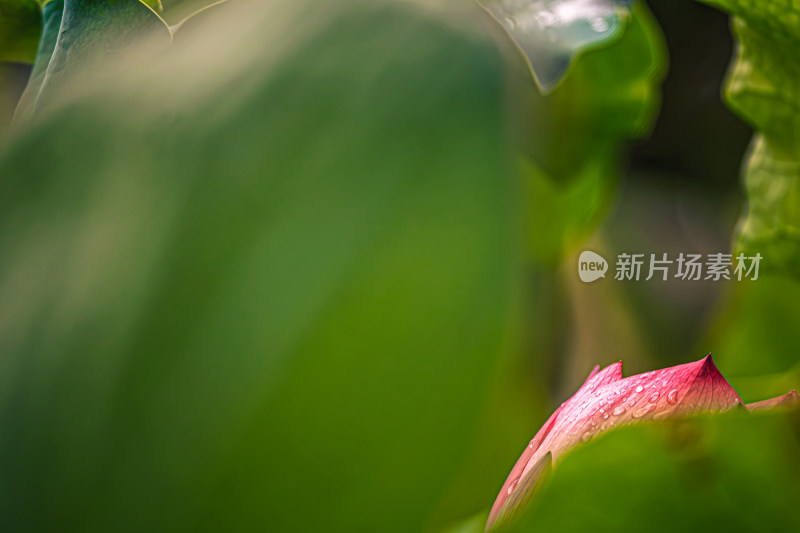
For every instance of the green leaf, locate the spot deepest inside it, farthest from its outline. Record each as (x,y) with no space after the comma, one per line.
(736,472)
(763,87)
(574,134)
(771,225)
(20,26)
(175,11)
(52,13)
(97,31)
(759,318)
(550,33)
(13,77)
(563,215)
(261,289)
(155,5)
(197,18)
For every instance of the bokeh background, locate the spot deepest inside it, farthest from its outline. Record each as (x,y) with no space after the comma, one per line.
(313,269)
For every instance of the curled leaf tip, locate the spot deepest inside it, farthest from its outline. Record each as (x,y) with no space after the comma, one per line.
(551,33)
(607,400)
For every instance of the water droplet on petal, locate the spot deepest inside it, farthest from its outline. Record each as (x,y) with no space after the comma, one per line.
(639,413)
(605,416)
(619,410)
(587,436)
(672,397)
(639,388)
(512,486)
(654,397)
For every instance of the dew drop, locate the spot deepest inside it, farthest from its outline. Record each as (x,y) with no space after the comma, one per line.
(512,486)
(654,397)
(672,397)
(639,388)
(619,410)
(639,413)
(605,416)
(587,436)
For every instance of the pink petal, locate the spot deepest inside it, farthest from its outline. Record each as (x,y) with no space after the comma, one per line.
(608,400)
(790,399)
(596,379)
(520,494)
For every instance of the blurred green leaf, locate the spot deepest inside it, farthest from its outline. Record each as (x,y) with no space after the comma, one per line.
(551,33)
(13,77)
(20,26)
(474,524)
(756,337)
(153,4)
(52,13)
(197,18)
(733,472)
(563,215)
(175,11)
(260,289)
(575,134)
(771,225)
(763,88)
(93,30)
